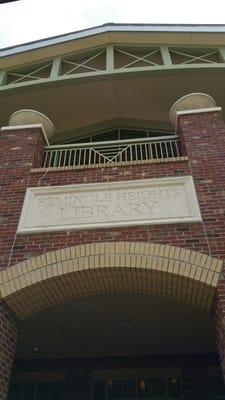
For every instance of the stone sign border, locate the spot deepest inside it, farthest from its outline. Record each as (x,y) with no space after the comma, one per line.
(186,181)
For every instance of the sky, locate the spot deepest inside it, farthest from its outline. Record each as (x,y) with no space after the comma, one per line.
(28,20)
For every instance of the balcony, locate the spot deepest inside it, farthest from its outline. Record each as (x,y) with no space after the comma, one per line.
(115,152)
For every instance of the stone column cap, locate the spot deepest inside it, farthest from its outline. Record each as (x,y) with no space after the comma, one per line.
(32,117)
(191,101)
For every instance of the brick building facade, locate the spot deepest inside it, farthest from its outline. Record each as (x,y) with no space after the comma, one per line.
(111,305)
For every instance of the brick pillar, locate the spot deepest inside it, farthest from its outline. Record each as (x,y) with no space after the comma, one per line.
(203,135)
(8,337)
(219,321)
(20,150)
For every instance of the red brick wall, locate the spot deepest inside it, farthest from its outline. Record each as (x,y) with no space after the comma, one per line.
(204,138)
(184,235)
(8,336)
(20,150)
(203,135)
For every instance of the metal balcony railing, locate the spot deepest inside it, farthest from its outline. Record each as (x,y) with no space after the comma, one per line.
(112,152)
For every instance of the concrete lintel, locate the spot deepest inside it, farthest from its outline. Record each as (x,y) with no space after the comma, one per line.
(199,111)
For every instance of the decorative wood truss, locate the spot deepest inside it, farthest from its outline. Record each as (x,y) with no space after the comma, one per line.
(110,60)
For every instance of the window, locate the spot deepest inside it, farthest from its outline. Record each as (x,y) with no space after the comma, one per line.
(149,388)
(120,134)
(36,391)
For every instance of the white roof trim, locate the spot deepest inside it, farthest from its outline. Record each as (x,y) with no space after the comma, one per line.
(199,111)
(111,28)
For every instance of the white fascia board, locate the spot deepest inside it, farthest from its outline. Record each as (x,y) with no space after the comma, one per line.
(199,111)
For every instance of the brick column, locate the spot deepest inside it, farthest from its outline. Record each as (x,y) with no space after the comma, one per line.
(20,150)
(219,321)
(8,337)
(203,135)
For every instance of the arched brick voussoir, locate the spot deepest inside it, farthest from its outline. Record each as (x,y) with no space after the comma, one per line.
(109,267)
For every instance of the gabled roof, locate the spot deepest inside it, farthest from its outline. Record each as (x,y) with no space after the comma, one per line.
(111,27)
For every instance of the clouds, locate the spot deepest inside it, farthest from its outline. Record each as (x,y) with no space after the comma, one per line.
(28,20)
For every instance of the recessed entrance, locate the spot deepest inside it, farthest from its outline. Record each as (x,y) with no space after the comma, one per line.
(116,325)
(114,307)
(115,347)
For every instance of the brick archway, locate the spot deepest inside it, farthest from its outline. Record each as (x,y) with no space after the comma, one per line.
(109,267)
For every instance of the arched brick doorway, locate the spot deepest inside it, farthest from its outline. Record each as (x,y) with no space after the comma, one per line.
(108,268)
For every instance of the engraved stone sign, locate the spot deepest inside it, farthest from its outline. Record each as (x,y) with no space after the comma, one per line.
(148,201)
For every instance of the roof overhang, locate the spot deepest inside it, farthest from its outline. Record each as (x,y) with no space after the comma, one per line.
(170,34)
(138,95)
(116,28)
